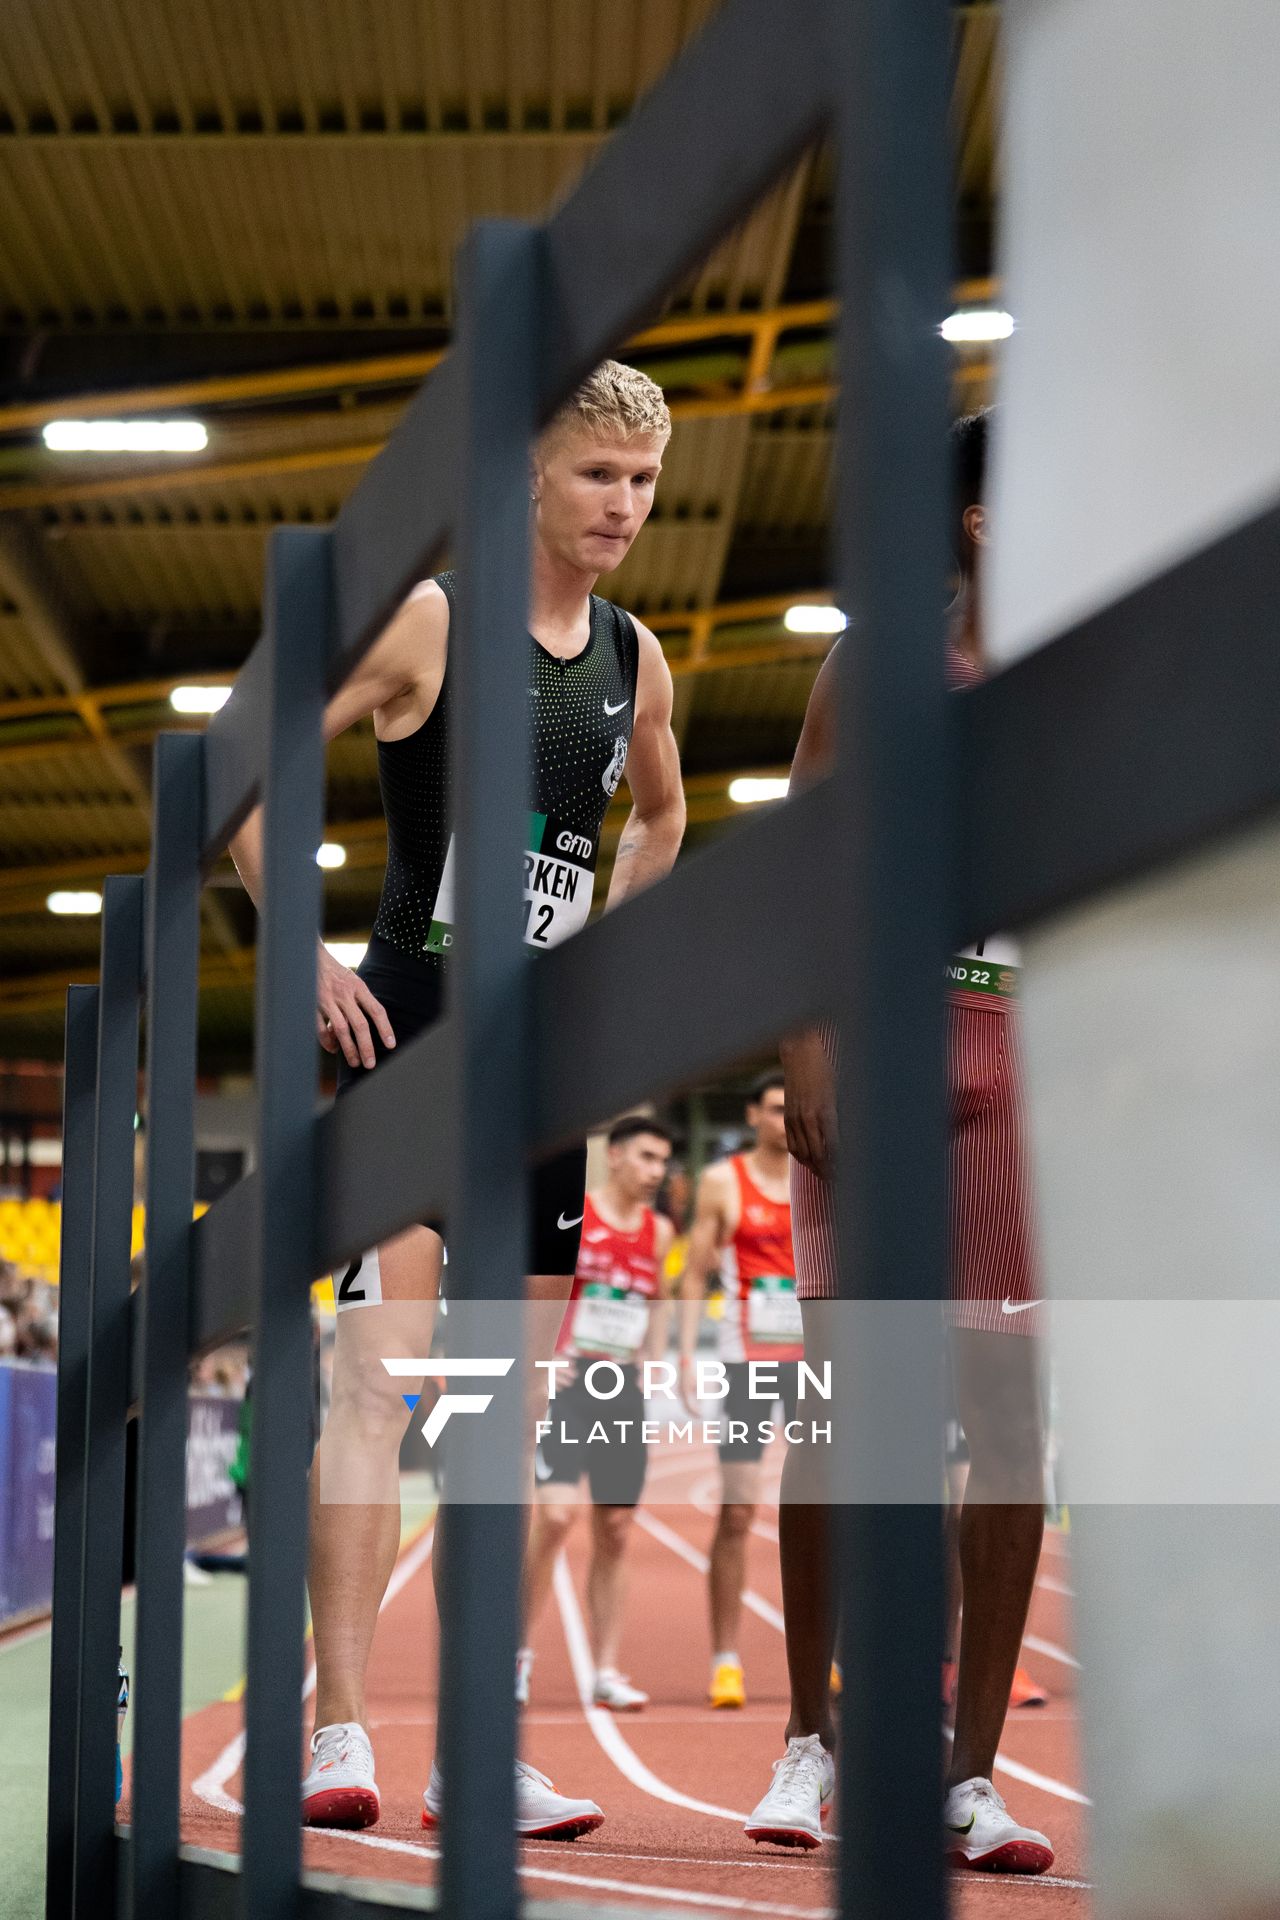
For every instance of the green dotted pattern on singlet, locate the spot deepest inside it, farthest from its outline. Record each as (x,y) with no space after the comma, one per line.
(581,713)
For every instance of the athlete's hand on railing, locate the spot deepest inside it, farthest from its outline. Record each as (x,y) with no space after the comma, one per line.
(344,1009)
(811,1102)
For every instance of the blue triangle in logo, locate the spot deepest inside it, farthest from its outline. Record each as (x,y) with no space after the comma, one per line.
(411,1400)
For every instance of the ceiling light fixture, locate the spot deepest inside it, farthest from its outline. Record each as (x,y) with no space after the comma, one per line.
(125,436)
(85,902)
(199,699)
(975,324)
(815,619)
(331,855)
(750,790)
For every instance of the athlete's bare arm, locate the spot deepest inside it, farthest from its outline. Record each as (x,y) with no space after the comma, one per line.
(398,682)
(713,1224)
(655,1344)
(811,1099)
(651,838)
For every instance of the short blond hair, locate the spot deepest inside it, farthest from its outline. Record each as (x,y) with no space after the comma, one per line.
(614,402)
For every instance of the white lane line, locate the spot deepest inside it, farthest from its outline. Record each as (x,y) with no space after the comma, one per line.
(1013,1768)
(642,1889)
(1028,1880)
(1030,1778)
(603,1724)
(211,1785)
(1051,1585)
(700,1563)
(1051,1651)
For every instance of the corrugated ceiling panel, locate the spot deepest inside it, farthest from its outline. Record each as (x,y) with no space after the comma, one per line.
(201,574)
(84,778)
(975,109)
(777,692)
(23,672)
(34,831)
(335,63)
(788,478)
(211,231)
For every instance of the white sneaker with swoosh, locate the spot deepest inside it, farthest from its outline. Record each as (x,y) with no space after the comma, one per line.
(979,1832)
(541,1812)
(804,1783)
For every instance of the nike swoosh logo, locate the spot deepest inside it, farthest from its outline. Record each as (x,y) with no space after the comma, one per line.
(618,709)
(564,1225)
(967,1828)
(1025,1306)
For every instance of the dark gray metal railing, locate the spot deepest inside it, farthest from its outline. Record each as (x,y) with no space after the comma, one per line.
(881,850)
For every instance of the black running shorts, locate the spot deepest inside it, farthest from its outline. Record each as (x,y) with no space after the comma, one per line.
(614,1466)
(738,1406)
(412,991)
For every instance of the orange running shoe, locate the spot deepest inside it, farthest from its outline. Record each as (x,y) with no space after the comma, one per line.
(728,1688)
(1024,1691)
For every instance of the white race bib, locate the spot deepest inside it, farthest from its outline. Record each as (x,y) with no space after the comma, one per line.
(610,1322)
(559,880)
(773,1311)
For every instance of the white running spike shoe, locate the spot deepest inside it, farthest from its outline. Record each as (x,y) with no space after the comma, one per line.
(804,1782)
(541,1812)
(979,1833)
(524,1674)
(340,1790)
(613,1690)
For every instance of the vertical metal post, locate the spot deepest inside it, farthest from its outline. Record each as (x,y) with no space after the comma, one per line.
(79,1101)
(889,67)
(107,1391)
(297,618)
(173,965)
(488,661)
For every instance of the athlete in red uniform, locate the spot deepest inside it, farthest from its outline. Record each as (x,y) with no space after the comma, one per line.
(993,1292)
(742,1223)
(610,1318)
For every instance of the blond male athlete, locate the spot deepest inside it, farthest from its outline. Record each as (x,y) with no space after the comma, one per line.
(742,1224)
(599,700)
(617,1314)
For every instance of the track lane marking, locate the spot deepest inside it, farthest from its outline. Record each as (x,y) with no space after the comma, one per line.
(698,1560)
(602,1723)
(1051,1651)
(210,1786)
(639,1889)
(1014,1768)
(1030,1778)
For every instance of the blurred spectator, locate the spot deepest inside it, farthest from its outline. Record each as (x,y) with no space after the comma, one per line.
(8,1333)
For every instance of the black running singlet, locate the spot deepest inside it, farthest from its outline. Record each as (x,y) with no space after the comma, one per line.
(581,713)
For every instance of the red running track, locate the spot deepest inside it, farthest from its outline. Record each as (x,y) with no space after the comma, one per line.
(677,1780)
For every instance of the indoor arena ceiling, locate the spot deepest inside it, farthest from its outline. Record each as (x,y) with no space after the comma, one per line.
(247,215)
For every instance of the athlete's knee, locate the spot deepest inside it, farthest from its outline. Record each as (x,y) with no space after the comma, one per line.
(610,1527)
(553,1520)
(367,1402)
(735,1521)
